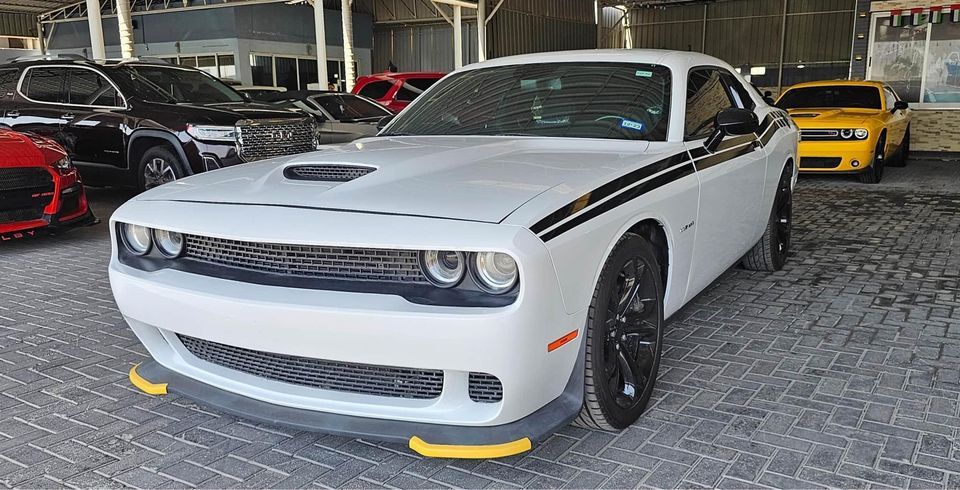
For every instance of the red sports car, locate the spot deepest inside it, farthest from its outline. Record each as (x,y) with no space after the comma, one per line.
(395,90)
(39,188)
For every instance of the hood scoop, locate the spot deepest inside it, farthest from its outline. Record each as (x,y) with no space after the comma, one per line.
(805,114)
(326,173)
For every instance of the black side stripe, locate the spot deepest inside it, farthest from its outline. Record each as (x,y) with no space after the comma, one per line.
(702,159)
(718,158)
(606,190)
(623,198)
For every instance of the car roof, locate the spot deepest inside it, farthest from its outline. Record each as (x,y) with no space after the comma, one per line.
(833,83)
(404,75)
(681,60)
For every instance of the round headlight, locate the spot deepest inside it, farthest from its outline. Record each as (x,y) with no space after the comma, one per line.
(861,134)
(169,243)
(846,133)
(496,272)
(443,268)
(136,238)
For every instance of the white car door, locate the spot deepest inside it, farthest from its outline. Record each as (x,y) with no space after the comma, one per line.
(731,178)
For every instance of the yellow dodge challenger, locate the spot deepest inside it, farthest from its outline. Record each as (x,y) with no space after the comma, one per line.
(849,127)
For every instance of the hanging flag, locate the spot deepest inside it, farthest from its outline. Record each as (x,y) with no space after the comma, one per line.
(897,18)
(936,15)
(918,16)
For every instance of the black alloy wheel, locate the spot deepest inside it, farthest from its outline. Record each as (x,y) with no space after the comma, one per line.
(624,337)
(783,215)
(770,253)
(158,166)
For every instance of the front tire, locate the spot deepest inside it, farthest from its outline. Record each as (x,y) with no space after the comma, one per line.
(903,154)
(770,253)
(158,166)
(874,173)
(624,336)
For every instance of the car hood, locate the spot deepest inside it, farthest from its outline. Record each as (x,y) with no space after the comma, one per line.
(219,114)
(27,150)
(814,117)
(473,178)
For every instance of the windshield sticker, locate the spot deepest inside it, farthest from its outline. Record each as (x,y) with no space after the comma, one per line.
(644,73)
(626,123)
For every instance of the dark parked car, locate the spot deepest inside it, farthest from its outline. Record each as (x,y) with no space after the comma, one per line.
(140,123)
(340,116)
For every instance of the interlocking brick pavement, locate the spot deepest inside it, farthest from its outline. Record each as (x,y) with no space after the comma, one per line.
(841,371)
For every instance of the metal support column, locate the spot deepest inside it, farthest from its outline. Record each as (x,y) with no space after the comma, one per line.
(347,18)
(126,28)
(457,37)
(481,30)
(321,39)
(96,29)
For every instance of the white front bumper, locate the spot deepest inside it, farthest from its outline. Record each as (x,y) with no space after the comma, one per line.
(507,342)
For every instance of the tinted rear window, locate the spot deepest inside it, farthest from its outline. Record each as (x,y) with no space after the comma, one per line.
(45,84)
(8,81)
(413,87)
(376,90)
(831,96)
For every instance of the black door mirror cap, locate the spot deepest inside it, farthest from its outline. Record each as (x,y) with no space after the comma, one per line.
(732,122)
(901,105)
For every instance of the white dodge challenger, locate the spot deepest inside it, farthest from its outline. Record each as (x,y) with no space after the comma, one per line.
(498,262)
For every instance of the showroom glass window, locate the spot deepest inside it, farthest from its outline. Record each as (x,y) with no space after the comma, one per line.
(921,63)
(707,94)
(573,100)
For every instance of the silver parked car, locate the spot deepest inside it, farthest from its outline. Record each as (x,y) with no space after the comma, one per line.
(341,116)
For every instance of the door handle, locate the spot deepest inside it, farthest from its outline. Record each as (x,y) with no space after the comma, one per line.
(68,116)
(13,114)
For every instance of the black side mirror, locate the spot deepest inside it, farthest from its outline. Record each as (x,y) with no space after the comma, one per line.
(382,123)
(732,122)
(900,105)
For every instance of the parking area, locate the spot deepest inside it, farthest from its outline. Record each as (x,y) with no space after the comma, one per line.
(841,370)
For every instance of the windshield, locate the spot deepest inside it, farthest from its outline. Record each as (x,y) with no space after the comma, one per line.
(185,85)
(348,108)
(831,96)
(564,100)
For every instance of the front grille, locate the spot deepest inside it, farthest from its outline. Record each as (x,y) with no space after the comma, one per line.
(326,173)
(18,178)
(819,134)
(485,388)
(311,261)
(364,379)
(820,162)
(24,192)
(23,214)
(274,138)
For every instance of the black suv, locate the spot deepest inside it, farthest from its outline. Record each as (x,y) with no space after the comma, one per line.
(142,123)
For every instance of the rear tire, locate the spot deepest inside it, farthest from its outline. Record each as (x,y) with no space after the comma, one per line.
(874,173)
(770,253)
(624,336)
(158,166)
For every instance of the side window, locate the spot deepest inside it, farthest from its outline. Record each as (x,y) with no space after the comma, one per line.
(890,97)
(739,93)
(376,90)
(88,87)
(8,82)
(45,84)
(706,96)
(413,87)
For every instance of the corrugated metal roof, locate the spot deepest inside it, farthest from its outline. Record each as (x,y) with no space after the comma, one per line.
(18,24)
